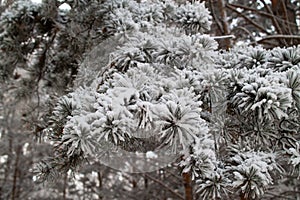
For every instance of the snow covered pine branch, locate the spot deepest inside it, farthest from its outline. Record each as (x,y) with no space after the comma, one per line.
(231,119)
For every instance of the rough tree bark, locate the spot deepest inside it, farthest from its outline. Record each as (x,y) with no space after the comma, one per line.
(187,182)
(219,14)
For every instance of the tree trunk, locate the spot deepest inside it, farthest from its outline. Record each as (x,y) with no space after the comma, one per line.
(146,182)
(220,23)
(187,182)
(242,197)
(100,184)
(14,194)
(223,15)
(65,186)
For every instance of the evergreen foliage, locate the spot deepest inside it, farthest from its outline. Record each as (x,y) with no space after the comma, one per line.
(231,117)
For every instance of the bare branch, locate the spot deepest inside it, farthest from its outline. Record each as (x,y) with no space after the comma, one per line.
(286,18)
(223,37)
(278,196)
(246,31)
(275,22)
(173,174)
(163,185)
(248,19)
(269,37)
(262,13)
(224,22)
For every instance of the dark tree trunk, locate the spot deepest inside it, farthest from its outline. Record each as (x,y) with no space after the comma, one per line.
(187,182)
(14,192)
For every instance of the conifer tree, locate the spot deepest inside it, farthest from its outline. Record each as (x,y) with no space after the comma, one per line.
(153,91)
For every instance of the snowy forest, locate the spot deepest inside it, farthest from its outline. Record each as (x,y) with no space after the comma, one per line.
(149,99)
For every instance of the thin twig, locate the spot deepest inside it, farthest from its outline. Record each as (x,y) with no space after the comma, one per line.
(278,196)
(262,13)
(275,22)
(273,17)
(248,32)
(269,37)
(248,19)
(223,37)
(163,185)
(174,175)
(286,19)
